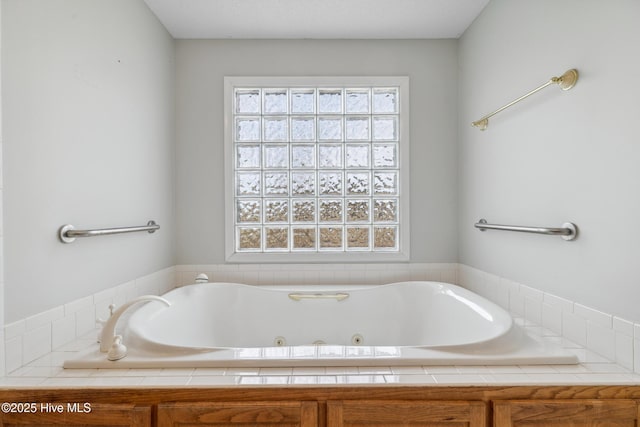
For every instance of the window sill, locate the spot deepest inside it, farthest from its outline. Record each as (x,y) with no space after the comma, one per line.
(316,258)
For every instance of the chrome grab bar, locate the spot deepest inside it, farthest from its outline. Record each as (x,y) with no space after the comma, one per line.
(568,231)
(300,296)
(68,233)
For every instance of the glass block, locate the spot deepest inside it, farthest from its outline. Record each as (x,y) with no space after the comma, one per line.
(276,183)
(304,238)
(303,156)
(385,156)
(247,101)
(330,210)
(276,210)
(276,156)
(247,129)
(385,128)
(303,101)
(249,238)
(357,128)
(330,101)
(385,183)
(330,183)
(358,183)
(276,238)
(275,129)
(248,211)
(330,156)
(303,129)
(304,210)
(357,101)
(275,101)
(358,155)
(385,101)
(349,189)
(331,237)
(303,183)
(248,156)
(358,210)
(330,129)
(357,237)
(385,210)
(385,238)
(248,183)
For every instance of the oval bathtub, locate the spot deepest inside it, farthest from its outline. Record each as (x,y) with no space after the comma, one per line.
(407,323)
(416,314)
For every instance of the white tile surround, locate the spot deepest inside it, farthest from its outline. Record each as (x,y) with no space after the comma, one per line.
(37,346)
(29,339)
(609,336)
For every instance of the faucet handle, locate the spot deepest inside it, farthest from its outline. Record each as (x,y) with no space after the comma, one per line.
(117,350)
(100,321)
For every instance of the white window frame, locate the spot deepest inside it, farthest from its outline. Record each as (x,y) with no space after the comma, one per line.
(404,244)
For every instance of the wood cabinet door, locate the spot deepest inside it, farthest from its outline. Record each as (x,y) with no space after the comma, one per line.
(566,413)
(238,414)
(54,415)
(414,413)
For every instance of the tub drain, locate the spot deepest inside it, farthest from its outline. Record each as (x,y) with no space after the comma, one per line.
(279,342)
(357,339)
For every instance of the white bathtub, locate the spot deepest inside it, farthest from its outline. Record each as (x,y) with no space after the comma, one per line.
(408,323)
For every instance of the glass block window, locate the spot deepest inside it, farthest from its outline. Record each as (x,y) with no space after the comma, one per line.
(317,169)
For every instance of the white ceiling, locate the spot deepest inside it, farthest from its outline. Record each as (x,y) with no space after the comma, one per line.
(316,19)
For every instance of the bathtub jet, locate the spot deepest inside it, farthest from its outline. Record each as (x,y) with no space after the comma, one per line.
(406,323)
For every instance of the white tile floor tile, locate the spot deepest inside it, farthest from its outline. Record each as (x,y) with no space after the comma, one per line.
(407,370)
(209,371)
(410,379)
(514,378)
(213,380)
(14,382)
(313,380)
(111,373)
(440,370)
(166,381)
(555,379)
(276,371)
(360,379)
(267,380)
(459,379)
(605,378)
(309,371)
(604,368)
(116,381)
(505,370)
(374,370)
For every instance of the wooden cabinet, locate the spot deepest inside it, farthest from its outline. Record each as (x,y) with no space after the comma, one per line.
(391,413)
(566,413)
(282,414)
(62,415)
(342,406)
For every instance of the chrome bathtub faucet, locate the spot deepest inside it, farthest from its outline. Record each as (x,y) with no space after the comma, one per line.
(111,343)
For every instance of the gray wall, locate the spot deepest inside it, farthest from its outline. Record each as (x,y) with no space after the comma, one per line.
(88,139)
(201,67)
(557,156)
